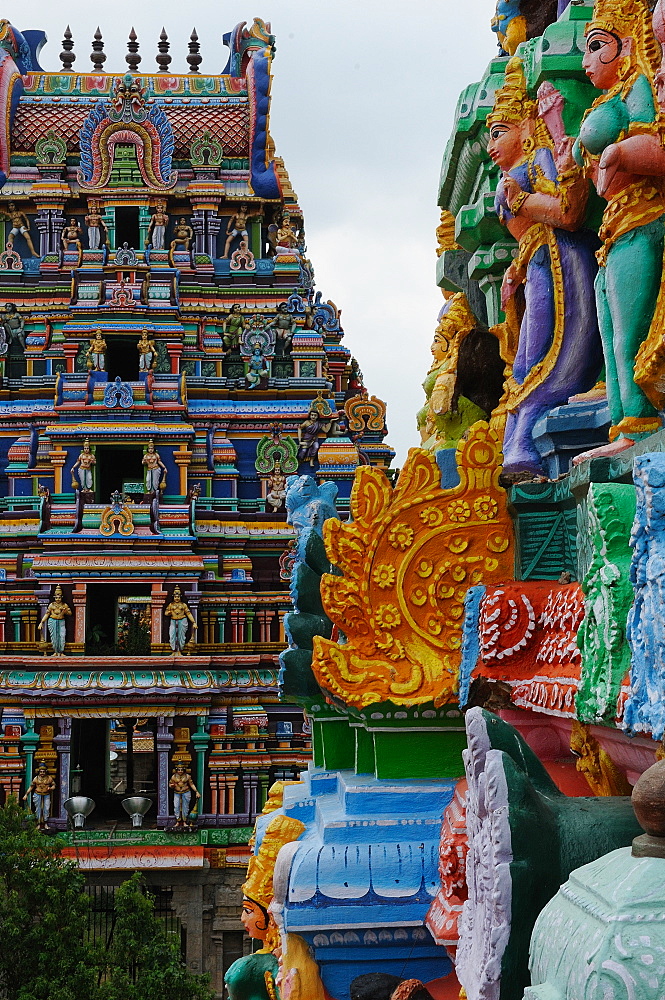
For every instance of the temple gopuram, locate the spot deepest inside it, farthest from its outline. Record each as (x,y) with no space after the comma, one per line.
(167,372)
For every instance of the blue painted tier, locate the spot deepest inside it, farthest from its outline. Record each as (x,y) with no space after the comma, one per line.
(359,881)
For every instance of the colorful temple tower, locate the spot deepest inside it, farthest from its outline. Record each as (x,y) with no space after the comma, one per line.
(165,365)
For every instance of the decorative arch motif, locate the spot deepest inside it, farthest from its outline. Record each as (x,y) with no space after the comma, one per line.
(408,557)
(127,120)
(365,413)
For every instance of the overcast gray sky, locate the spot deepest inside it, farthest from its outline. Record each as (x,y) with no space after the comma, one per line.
(363,100)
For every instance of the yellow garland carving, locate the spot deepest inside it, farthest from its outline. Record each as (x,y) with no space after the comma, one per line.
(408,558)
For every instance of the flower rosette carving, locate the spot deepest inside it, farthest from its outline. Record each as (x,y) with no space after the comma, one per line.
(408,557)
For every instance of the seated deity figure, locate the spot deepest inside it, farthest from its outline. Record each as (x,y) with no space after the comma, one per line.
(71,235)
(96,353)
(147,352)
(182,236)
(55,616)
(155,469)
(183,786)
(41,788)
(276,496)
(84,464)
(180,616)
(257,369)
(551,330)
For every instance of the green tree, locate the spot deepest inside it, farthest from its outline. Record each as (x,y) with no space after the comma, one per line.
(142,961)
(43,915)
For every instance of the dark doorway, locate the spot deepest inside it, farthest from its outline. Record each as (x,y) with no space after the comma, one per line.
(90,753)
(118,468)
(102,613)
(127,227)
(122,358)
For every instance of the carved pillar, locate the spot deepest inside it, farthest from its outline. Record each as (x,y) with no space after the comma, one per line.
(182,459)
(174,349)
(251,783)
(157,601)
(206,225)
(221,623)
(57,458)
(231,781)
(70,350)
(198,225)
(200,739)
(15,615)
(63,745)
(29,741)
(50,222)
(78,600)
(163,746)
(264,778)
(249,626)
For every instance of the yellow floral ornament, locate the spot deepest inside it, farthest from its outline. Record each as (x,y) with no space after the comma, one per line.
(429,545)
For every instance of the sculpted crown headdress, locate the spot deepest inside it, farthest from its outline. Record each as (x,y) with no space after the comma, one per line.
(629,18)
(259,885)
(511,103)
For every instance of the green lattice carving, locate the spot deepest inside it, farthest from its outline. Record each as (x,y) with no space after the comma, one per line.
(609,596)
(51,148)
(206,151)
(270,451)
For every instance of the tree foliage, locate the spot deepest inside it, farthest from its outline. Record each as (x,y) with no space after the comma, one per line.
(44,953)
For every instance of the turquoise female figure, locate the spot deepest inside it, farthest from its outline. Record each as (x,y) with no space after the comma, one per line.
(620,146)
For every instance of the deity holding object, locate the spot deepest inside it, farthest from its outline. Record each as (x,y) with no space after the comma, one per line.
(41,787)
(182,236)
(84,463)
(180,615)
(318,423)
(551,332)
(183,786)
(234,327)
(155,477)
(257,369)
(97,232)
(96,353)
(55,616)
(237,227)
(14,325)
(71,236)
(276,495)
(147,352)
(284,325)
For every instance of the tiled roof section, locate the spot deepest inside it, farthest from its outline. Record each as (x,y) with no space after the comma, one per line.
(229,125)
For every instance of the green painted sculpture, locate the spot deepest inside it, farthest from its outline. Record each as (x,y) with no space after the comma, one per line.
(253,978)
(609,596)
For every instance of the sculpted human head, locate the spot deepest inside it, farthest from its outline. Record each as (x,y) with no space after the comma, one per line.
(603,56)
(254,918)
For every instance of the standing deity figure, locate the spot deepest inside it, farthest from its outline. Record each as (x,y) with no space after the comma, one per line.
(551,331)
(182,236)
(55,616)
(97,232)
(284,325)
(234,325)
(237,227)
(183,786)
(147,352)
(41,787)
(96,353)
(257,368)
(157,227)
(155,469)
(180,615)
(84,464)
(276,496)
(309,432)
(20,225)
(14,325)
(620,146)
(286,235)
(71,235)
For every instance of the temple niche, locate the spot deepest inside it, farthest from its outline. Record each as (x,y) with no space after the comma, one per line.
(166,362)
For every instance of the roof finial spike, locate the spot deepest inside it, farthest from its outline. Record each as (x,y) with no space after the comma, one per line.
(194,60)
(163,58)
(98,56)
(133,58)
(67,57)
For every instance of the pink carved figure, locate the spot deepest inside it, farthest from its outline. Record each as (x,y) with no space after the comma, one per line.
(550,109)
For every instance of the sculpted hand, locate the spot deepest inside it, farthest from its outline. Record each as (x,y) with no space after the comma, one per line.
(610,162)
(511,188)
(511,281)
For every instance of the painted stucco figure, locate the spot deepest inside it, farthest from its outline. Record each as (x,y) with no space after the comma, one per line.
(55,616)
(155,476)
(620,146)
(180,616)
(183,788)
(550,335)
(40,788)
(83,467)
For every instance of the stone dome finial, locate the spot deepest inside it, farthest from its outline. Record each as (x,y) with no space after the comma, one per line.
(649,805)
